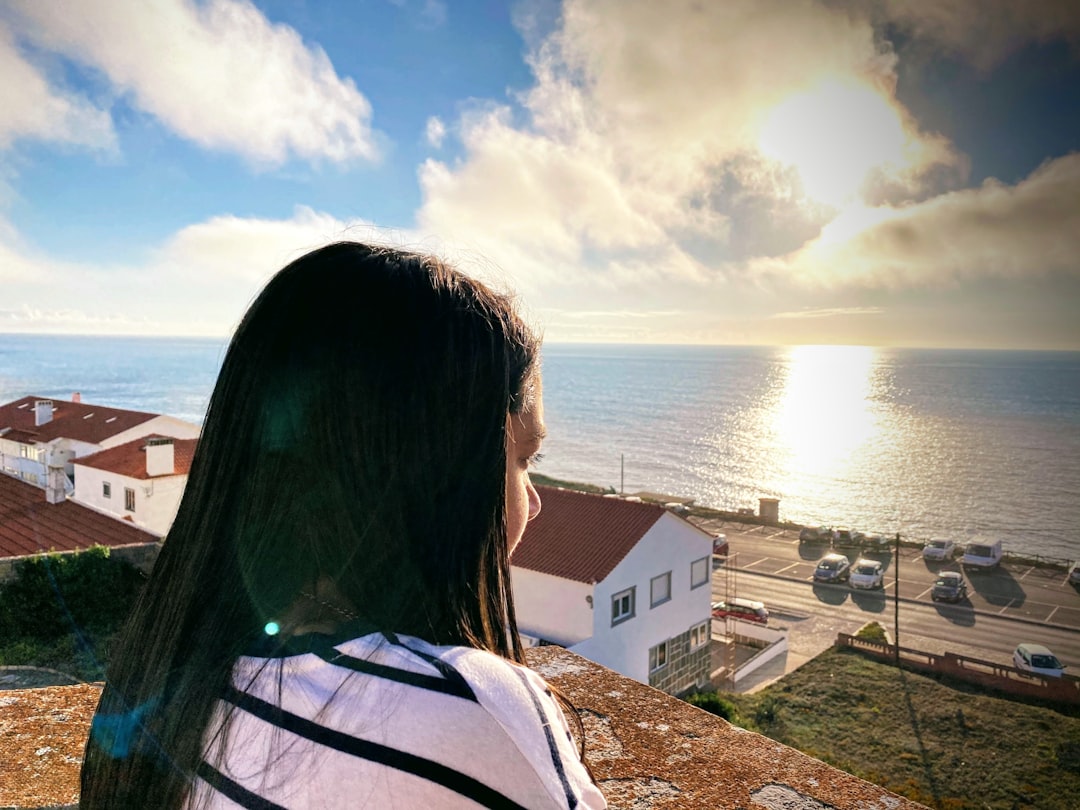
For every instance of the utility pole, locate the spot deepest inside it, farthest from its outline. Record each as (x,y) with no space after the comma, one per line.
(622,473)
(896,600)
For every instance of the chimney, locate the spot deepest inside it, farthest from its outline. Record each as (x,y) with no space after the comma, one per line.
(76,397)
(160,458)
(54,485)
(43,409)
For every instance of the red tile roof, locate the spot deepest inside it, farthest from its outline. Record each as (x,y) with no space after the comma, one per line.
(130,458)
(70,420)
(30,525)
(581,536)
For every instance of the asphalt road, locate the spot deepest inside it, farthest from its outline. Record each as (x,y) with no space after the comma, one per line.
(1003,608)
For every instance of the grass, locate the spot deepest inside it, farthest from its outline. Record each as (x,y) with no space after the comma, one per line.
(945,745)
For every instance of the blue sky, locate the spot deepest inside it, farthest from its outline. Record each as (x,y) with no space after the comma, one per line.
(883,173)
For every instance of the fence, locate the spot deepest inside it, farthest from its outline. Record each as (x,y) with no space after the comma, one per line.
(1065,689)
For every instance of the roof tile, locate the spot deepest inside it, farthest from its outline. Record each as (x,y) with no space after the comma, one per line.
(31,525)
(582,536)
(70,420)
(130,458)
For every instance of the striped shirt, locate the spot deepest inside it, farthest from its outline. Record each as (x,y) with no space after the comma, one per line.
(388,721)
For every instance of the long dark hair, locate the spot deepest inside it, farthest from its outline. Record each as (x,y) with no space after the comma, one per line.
(356,435)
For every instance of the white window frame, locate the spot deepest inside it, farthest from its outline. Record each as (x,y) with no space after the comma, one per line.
(654,600)
(106,489)
(704,564)
(699,635)
(619,616)
(129,499)
(658,657)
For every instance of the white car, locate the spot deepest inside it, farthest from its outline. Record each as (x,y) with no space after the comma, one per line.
(1074,574)
(939,550)
(867,574)
(1038,659)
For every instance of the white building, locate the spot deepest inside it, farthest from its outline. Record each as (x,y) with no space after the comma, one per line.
(625,584)
(40,437)
(139,481)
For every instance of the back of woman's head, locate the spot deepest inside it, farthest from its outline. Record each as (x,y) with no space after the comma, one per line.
(356,436)
(357,433)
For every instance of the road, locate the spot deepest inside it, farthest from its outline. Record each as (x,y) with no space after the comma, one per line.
(1003,608)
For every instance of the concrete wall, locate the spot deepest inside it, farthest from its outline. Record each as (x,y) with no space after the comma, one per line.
(552,608)
(156,499)
(670,545)
(141,555)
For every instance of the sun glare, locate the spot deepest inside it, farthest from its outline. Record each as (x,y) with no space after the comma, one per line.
(834,135)
(824,415)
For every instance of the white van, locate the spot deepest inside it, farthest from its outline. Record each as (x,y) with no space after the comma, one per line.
(982,555)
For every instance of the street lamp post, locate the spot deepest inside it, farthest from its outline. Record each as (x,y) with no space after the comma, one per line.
(896,600)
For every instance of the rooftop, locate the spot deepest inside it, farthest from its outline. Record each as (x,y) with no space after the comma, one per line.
(31,525)
(70,420)
(130,458)
(610,527)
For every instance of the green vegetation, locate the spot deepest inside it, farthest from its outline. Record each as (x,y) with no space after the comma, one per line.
(62,611)
(946,745)
(872,632)
(715,704)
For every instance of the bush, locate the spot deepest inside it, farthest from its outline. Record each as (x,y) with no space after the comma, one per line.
(52,595)
(714,704)
(872,632)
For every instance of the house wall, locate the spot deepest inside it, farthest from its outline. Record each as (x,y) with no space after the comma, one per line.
(165,425)
(672,545)
(552,608)
(156,499)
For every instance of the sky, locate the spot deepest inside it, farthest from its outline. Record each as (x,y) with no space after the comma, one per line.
(863,172)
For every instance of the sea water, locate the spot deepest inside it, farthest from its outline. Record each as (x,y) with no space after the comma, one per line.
(929,443)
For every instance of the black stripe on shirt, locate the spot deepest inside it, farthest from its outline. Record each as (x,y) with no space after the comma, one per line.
(436,772)
(553,749)
(447,686)
(445,669)
(233,790)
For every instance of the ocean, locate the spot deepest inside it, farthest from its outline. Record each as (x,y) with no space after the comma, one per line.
(925,442)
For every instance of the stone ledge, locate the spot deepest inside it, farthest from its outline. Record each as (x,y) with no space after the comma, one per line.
(646,749)
(650,750)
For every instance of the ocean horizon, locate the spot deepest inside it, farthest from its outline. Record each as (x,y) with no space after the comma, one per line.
(959,443)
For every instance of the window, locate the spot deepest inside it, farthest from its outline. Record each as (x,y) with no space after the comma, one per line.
(699,572)
(699,635)
(106,489)
(659,589)
(622,606)
(658,656)
(129,499)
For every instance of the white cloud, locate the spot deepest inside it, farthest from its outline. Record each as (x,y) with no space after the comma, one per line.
(30,108)
(217,73)
(199,281)
(828,312)
(435,131)
(1027,230)
(637,158)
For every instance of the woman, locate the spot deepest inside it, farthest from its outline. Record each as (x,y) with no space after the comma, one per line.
(330,622)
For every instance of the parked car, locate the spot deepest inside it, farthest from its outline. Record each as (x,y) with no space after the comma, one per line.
(739,608)
(847,538)
(877,542)
(867,574)
(982,555)
(950,587)
(832,568)
(815,534)
(1038,659)
(939,549)
(720,545)
(1074,574)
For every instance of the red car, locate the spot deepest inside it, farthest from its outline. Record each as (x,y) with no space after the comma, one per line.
(746,609)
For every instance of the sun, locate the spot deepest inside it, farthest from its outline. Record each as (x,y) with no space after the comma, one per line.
(834,135)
